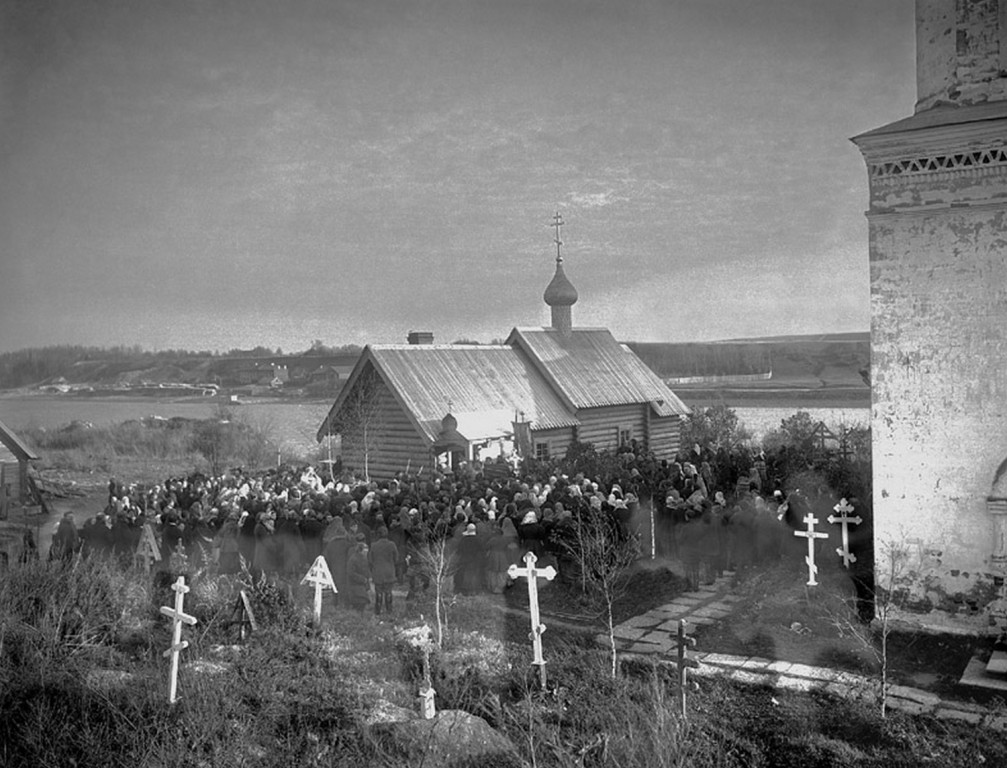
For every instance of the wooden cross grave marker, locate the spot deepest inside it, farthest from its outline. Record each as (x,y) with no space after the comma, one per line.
(537,627)
(147,550)
(320,576)
(178,618)
(242,616)
(683,662)
(844,508)
(811,534)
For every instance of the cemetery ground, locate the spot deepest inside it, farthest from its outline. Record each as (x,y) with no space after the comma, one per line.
(83,681)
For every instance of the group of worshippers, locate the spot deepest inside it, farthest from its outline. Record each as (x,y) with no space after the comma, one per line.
(406,531)
(411,529)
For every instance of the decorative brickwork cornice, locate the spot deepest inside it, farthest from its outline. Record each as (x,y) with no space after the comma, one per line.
(958,161)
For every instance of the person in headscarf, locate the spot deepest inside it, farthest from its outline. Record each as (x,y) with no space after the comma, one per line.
(468,577)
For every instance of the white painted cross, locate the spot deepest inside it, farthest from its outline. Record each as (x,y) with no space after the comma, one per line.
(147,549)
(178,618)
(811,521)
(320,576)
(537,627)
(844,508)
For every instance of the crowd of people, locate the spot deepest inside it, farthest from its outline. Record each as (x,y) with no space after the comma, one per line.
(381,534)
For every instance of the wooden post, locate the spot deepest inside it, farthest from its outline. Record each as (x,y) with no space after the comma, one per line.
(537,627)
(810,534)
(844,508)
(653,530)
(320,576)
(178,618)
(684,662)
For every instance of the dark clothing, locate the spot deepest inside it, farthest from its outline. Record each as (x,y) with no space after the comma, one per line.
(469,576)
(383,558)
(358,575)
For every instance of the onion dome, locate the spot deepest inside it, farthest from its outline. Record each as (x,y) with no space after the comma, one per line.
(560,292)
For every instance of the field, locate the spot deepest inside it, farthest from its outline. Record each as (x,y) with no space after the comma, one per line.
(293,423)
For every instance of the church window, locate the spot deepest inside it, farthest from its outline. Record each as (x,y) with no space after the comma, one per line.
(542,451)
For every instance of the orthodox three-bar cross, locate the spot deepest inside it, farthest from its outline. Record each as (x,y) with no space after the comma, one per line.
(319,576)
(178,618)
(557,222)
(537,627)
(844,508)
(811,534)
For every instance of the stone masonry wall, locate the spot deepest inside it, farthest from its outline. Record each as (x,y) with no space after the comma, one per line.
(961,52)
(938,260)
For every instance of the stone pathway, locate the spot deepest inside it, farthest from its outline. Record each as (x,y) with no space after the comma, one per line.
(654,634)
(655,631)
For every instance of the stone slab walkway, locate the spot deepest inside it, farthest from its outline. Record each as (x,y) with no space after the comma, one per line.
(653,635)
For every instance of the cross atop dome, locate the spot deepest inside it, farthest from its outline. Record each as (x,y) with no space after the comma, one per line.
(560,294)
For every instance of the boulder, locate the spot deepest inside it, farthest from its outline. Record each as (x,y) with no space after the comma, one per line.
(452,739)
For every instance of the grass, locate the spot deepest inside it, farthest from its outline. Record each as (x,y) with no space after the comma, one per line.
(82,682)
(151,451)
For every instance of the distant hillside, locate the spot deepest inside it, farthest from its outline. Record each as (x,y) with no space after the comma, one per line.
(823,361)
(74,367)
(829,365)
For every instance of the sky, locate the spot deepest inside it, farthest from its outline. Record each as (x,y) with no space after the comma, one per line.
(212,174)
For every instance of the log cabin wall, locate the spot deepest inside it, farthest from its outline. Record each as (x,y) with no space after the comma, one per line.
(394,442)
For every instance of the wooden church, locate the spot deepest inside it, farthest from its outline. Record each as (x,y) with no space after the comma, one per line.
(409,406)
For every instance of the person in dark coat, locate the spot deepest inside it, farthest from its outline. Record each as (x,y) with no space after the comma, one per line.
(497,561)
(66,541)
(469,552)
(266,555)
(337,548)
(226,543)
(383,559)
(358,576)
(290,546)
(312,531)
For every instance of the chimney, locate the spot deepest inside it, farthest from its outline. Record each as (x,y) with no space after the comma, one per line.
(420,337)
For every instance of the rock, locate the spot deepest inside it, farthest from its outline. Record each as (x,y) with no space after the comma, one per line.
(226,652)
(386,712)
(450,740)
(204,667)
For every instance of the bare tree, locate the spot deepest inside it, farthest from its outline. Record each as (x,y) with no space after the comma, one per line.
(439,562)
(359,419)
(603,552)
(889,597)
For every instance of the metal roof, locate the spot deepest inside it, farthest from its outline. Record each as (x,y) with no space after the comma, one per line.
(938,117)
(492,380)
(591,369)
(16,444)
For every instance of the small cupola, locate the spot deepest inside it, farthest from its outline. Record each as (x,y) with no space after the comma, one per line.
(560,294)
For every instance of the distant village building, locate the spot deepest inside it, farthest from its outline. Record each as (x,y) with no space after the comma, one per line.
(543,389)
(14,458)
(938,268)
